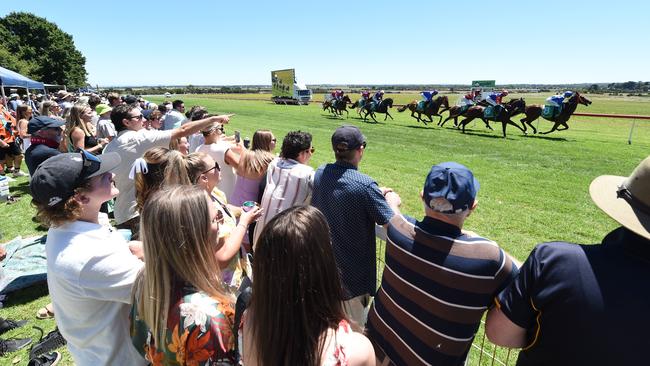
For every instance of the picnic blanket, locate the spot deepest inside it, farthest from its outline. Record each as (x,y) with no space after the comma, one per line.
(24,265)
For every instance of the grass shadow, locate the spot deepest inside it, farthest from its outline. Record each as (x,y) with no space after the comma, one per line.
(422,127)
(21,189)
(495,136)
(543,137)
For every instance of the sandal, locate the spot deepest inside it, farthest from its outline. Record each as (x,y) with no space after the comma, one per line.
(45,312)
(49,359)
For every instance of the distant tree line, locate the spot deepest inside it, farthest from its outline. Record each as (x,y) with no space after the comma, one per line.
(38,49)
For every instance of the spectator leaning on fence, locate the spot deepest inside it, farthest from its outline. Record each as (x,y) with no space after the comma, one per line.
(352,202)
(585,304)
(438,279)
(131,143)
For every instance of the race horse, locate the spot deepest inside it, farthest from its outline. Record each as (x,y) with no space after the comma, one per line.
(359,104)
(428,109)
(337,107)
(534,111)
(504,116)
(383,107)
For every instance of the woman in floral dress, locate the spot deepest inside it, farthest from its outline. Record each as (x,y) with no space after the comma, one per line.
(181,313)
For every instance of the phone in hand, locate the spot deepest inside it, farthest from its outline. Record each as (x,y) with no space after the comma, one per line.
(237,136)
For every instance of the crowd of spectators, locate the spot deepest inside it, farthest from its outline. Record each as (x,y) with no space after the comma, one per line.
(220,253)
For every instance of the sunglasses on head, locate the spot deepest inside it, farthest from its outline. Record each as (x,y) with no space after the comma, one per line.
(215,167)
(90,165)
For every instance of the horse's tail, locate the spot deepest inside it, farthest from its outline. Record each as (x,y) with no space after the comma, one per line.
(404,107)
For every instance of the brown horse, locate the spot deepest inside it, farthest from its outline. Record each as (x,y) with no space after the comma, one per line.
(533,112)
(458,111)
(337,107)
(430,109)
(359,104)
(477,111)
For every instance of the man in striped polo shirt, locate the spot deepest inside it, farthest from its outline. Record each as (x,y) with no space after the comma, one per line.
(438,280)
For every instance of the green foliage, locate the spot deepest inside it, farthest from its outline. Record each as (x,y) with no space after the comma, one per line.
(51,52)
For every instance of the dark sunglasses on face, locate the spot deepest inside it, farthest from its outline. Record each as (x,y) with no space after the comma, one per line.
(363,145)
(215,167)
(138,117)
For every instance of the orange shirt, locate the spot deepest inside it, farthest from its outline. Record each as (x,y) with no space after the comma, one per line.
(6,117)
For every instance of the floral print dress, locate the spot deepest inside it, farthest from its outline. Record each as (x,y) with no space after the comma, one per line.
(199,332)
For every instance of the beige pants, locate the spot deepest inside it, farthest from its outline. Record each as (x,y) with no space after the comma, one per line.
(357,309)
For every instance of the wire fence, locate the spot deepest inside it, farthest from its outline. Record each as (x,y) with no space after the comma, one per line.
(483,352)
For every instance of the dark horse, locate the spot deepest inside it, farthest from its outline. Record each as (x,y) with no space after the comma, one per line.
(533,112)
(503,117)
(430,109)
(381,108)
(337,107)
(359,104)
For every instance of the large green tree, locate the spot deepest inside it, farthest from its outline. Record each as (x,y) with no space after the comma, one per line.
(48,54)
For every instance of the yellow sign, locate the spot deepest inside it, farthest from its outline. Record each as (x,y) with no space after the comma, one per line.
(282,82)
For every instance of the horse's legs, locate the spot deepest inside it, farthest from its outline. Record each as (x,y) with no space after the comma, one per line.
(430,119)
(413,115)
(566,126)
(442,123)
(391,117)
(372,115)
(508,121)
(487,124)
(464,123)
(552,129)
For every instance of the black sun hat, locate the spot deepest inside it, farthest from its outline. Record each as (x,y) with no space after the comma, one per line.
(56,178)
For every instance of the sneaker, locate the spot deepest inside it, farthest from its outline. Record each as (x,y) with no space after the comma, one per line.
(48,359)
(8,324)
(52,341)
(19,173)
(13,345)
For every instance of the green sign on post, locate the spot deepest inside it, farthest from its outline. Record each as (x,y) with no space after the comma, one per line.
(483,83)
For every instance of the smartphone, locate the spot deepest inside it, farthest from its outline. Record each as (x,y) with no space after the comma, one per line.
(237,136)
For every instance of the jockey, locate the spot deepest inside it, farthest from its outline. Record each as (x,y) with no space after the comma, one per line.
(494,98)
(365,95)
(467,100)
(428,95)
(378,97)
(558,100)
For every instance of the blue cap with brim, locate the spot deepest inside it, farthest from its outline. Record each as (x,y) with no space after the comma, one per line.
(450,188)
(38,123)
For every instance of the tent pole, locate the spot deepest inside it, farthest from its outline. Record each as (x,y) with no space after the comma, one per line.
(4,98)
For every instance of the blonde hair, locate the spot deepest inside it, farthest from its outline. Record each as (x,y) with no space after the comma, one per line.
(178,248)
(74,120)
(46,108)
(185,169)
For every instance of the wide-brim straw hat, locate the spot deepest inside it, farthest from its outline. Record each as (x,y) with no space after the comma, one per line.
(626,199)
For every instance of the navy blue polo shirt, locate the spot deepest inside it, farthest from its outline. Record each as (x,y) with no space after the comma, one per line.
(584,304)
(36,154)
(352,203)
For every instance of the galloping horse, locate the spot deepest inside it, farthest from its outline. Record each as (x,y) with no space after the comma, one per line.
(430,109)
(337,107)
(381,108)
(503,117)
(359,104)
(458,111)
(533,112)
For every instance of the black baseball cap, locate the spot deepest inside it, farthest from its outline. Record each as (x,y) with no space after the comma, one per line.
(56,178)
(38,123)
(347,137)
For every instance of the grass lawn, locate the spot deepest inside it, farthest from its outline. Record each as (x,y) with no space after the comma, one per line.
(533,188)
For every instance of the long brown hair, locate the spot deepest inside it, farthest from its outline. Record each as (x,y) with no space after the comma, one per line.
(256,160)
(74,120)
(297,291)
(178,248)
(150,182)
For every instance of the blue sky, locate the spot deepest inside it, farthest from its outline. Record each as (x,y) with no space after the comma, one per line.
(356,42)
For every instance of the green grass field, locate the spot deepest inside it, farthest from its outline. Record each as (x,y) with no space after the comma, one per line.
(533,188)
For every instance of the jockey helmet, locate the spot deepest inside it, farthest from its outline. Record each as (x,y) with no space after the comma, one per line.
(381,92)
(568,94)
(504,92)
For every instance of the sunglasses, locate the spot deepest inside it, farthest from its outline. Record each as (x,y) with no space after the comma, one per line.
(138,117)
(90,165)
(363,145)
(215,167)
(311,149)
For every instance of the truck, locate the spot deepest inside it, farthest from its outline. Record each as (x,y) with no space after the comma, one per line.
(286,90)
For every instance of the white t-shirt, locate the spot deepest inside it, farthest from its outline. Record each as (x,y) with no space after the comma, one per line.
(90,273)
(131,145)
(173,119)
(288,183)
(218,153)
(105,129)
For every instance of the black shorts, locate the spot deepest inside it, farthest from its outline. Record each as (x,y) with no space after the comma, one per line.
(12,150)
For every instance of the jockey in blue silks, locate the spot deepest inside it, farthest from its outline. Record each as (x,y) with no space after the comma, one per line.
(378,97)
(494,99)
(428,95)
(558,100)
